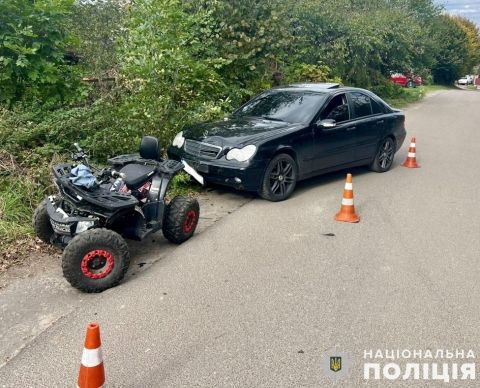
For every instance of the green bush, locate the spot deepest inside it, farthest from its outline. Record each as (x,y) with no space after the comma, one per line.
(33,42)
(388,89)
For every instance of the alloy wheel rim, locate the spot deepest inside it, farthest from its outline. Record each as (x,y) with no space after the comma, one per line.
(386,153)
(281,177)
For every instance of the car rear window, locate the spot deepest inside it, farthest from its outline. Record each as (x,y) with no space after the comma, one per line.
(361,104)
(376,108)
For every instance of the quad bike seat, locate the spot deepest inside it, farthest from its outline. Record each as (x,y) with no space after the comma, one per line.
(150,148)
(150,151)
(137,174)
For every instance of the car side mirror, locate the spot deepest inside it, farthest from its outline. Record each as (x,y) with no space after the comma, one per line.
(326,124)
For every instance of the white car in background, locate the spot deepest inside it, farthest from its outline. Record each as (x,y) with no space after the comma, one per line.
(467,80)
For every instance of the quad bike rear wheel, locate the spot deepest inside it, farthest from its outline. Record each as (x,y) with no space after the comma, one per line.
(95,260)
(181,219)
(41,223)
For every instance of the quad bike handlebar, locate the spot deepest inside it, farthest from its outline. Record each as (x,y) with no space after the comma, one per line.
(77,146)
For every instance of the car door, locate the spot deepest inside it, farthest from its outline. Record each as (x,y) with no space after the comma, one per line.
(334,146)
(368,122)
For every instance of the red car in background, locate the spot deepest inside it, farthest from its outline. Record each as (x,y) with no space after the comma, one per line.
(411,81)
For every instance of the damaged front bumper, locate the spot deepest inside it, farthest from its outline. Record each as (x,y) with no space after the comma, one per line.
(64,224)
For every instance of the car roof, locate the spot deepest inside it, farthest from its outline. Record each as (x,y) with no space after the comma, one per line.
(324,87)
(315,86)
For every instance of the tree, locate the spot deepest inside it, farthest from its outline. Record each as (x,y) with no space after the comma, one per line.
(472,55)
(451,43)
(169,77)
(98,27)
(33,42)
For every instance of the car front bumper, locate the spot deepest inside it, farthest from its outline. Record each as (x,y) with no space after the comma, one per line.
(246,176)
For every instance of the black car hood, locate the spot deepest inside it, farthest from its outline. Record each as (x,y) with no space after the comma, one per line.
(237,131)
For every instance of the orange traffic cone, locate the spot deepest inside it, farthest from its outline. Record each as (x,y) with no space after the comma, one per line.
(347,211)
(92,374)
(411,161)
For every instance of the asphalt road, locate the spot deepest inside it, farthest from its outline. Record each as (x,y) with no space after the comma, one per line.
(259,298)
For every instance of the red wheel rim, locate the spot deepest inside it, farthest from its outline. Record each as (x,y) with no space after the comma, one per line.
(190,221)
(97,264)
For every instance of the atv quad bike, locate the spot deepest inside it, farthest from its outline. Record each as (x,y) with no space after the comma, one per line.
(91,223)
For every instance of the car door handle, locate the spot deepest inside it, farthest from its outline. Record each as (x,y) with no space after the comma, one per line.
(380,121)
(351,128)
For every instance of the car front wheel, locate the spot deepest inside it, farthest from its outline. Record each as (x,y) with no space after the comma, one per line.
(280,178)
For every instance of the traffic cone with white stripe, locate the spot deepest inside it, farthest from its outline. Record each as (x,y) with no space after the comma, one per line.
(92,374)
(347,211)
(411,161)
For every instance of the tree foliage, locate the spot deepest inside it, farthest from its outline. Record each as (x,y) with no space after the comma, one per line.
(33,42)
(180,61)
(452,58)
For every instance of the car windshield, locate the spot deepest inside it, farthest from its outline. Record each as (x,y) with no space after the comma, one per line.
(284,105)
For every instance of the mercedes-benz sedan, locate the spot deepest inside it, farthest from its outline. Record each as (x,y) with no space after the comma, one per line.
(291,133)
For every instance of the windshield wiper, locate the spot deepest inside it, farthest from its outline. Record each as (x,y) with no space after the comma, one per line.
(271,118)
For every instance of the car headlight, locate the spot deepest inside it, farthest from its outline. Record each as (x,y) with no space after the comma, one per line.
(82,226)
(241,154)
(179,140)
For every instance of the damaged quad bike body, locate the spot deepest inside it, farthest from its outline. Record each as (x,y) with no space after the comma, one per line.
(90,223)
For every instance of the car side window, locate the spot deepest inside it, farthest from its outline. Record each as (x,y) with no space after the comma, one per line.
(361,104)
(376,108)
(337,109)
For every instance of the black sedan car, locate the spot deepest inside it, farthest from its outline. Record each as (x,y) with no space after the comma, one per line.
(291,133)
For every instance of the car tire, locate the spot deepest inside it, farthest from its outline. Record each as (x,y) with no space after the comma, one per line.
(181,219)
(41,223)
(280,178)
(384,156)
(95,260)
(410,84)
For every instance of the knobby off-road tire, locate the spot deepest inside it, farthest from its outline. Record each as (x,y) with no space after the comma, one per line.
(181,219)
(384,157)
(41,223)
(95,260)
(280,178)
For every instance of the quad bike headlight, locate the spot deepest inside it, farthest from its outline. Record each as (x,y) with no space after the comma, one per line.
(179,140)
(82,226)
(241,154)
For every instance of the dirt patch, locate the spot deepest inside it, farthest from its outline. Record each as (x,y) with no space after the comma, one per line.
(22,258)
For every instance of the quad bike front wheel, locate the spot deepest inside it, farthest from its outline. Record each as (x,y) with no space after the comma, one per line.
(41,223)
(181,219)
(95,260)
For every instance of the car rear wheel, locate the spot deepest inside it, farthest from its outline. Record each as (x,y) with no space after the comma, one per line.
(384,156)
(280,178)
(410,84)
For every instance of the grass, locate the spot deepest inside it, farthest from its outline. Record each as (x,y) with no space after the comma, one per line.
(409,96)
(183,184)
(18,198)
(472,87)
